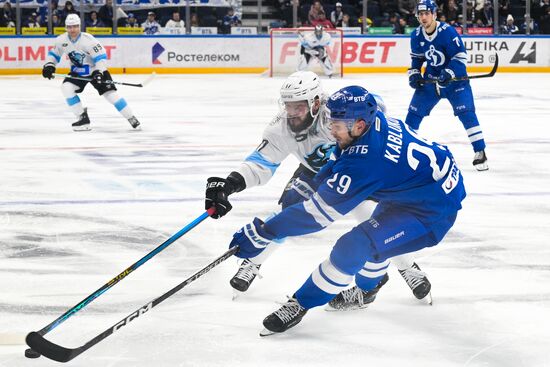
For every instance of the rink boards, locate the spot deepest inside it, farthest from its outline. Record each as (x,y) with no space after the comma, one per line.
(251,54)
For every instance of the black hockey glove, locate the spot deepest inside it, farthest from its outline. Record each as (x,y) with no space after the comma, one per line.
(48,70)
(217,193)
(97,77)
(415,78)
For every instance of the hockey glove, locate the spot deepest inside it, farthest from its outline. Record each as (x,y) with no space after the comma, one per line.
(97,77)
(320,52)
(445,77)
(415,78)
(252,239)
(217,192)
(48,70)
(298,189)
(312,52)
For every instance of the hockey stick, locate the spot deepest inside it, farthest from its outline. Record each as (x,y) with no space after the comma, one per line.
(123,274)
(140,85)
(61,354)
(467,77)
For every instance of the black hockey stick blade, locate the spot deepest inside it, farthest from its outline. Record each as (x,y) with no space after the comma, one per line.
(491,73)
(62,354)
(51,350)
(468,77)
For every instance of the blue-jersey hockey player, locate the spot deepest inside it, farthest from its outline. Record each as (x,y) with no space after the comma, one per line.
(88,59)
(441,47)
(300,129)
(416,183)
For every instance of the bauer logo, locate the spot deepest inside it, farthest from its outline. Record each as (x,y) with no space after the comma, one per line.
(157,51)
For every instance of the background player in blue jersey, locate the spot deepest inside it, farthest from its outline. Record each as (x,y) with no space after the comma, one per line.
(416,183)
(441,47)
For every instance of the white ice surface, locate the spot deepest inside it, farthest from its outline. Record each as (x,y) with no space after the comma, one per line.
(78,208)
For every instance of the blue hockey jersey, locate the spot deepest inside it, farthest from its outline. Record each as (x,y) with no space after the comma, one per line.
(389,164)
(442,49)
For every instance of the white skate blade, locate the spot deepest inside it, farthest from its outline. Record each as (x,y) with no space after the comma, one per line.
(482,166)
(428,299)
(329,308)
(266,332)
(82,128)
(236,294)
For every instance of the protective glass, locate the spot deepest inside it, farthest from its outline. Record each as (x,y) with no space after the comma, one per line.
(341,124)
(296,109)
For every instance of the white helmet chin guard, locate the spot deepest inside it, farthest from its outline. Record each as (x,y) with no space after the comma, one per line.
(302,86)
(72,19)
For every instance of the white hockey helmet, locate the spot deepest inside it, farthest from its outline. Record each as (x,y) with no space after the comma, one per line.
(302,86)
(72,19)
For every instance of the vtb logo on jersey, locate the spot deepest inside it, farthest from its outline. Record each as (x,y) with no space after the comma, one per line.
(76,58)
(320,155)
(437,58)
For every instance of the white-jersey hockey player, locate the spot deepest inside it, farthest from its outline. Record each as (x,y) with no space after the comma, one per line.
(300,129)
(88,59)
(313,47)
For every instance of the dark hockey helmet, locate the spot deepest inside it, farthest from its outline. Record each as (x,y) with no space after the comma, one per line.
(351,104)
(426,5)
(318,31)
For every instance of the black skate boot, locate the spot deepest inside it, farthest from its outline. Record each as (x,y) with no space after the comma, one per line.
(480,161)
(83,123)
(245,275)
(355,298)
(418,282)
(134,122)
(289,315)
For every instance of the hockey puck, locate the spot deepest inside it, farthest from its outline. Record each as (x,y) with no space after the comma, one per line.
(29,353)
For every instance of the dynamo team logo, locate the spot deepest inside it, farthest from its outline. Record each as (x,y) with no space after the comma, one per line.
(437,58)
(157,51)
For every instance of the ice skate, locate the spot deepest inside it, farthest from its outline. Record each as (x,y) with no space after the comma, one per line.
(418,282)
(83,123)
(355,298)
(289,315)
(245,276)
(134,122)
(480,161)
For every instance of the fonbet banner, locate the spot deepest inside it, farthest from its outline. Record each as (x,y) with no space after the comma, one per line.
(252,54)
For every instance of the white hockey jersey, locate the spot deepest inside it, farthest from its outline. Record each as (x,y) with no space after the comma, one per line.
(312,148)
(85,53)
(310,41)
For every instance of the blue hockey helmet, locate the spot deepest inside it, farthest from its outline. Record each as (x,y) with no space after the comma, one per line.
(351,104)
(426,5)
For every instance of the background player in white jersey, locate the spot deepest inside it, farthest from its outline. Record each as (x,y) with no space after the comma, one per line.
(313,47)
(416,183)
(88,59)
(300,129)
